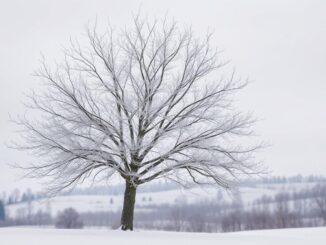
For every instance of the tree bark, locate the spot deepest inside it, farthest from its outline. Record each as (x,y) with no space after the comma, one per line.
(127,217)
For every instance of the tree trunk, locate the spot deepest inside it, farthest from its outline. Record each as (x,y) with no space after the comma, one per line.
(127,217)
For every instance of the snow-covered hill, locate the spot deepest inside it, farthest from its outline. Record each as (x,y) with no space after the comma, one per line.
(23,236)
(99,203)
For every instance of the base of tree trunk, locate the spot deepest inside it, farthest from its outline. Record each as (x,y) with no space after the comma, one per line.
(127,217)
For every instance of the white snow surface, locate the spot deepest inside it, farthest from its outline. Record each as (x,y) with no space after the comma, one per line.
(98,203)
(31,236)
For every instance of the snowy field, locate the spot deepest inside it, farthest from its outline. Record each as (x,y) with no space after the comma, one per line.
(30,236)
(98,203)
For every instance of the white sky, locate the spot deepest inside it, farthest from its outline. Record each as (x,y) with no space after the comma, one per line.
(280,44)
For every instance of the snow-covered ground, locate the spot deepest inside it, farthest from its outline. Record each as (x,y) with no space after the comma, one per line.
(98,203)
(29,236)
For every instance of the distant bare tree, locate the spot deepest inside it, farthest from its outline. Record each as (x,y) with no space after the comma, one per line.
(283,214)
(69,219)
(2,211)
(258,219)
(41,218)
(319,200)
(233,219)
(150,103)
(178,217)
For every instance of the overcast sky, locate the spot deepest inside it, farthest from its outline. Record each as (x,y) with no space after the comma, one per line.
(279,44)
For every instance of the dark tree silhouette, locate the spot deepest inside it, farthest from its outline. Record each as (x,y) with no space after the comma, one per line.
(69,219)
(2,211)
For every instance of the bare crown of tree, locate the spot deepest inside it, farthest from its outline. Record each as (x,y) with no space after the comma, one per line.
(148,103)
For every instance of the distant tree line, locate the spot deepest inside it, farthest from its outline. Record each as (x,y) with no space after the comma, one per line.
(16,196)
(302,208)
(284,180)
(306,208)
(2,212)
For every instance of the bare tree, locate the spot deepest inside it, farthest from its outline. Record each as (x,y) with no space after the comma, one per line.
(151,102)
(282,210)
(319,200)
(69,219)
(2,211)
